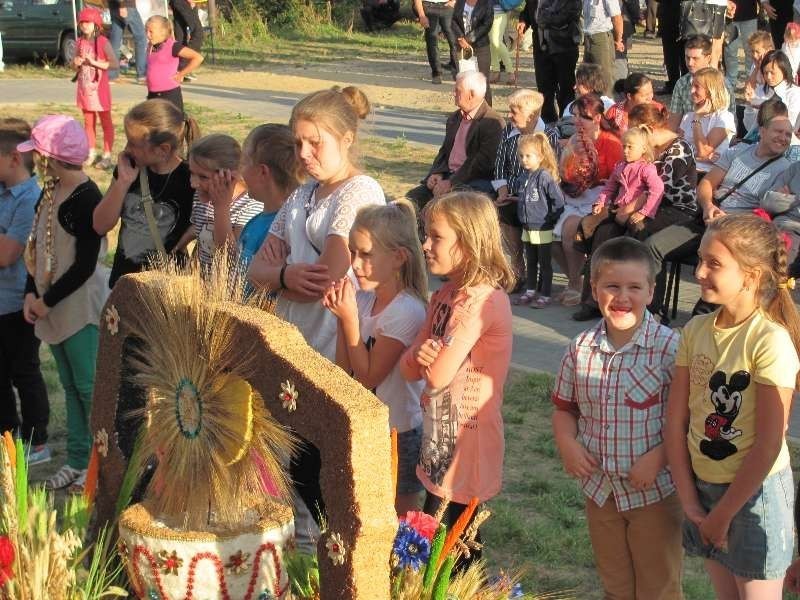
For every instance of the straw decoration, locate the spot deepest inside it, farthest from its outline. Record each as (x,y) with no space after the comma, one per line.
(208,422)
(21,484)
(458,528)
(92,473)
(10,448)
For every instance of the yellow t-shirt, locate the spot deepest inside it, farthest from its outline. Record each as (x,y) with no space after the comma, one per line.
(724,367)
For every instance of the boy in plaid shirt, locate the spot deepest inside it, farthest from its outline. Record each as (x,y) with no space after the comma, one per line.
(610,405)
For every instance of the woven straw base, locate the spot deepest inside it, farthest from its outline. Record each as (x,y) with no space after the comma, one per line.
(227,565)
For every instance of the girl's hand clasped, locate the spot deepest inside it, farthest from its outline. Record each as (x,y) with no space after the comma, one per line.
(427,352)
(340,299)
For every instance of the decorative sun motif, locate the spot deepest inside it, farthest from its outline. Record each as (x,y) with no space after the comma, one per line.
(101,441)
(288,396)
(336,549)
(112,320)
(188,409)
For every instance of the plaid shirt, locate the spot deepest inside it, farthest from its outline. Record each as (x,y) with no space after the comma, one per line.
(682,96)
(620,399)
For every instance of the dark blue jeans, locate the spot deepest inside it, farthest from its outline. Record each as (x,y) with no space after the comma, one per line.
(133,22)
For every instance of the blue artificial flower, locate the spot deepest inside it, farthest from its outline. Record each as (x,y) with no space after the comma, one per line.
(411,548)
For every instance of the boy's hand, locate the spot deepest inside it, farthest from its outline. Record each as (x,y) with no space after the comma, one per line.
(27,308)
(645,469)
(714,529)
(597,209)
(578,462)
(427,352)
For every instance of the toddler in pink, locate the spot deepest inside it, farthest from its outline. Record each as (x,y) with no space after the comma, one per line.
(634,187)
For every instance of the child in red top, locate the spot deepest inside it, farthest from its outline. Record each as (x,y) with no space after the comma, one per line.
(462,353)
(163,55)
(93,58)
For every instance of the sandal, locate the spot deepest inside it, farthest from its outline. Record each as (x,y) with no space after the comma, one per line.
(524,299)
(571,298)
(65,476)
(541,302)
(79,485)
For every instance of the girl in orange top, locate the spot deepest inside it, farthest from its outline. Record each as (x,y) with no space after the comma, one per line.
(462,353)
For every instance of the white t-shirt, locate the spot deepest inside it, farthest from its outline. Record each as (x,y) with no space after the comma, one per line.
(243,208)
(304,222)
(400,320)
(721,118)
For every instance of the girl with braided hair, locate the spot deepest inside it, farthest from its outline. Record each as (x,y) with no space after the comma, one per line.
(66,289)
(735,372)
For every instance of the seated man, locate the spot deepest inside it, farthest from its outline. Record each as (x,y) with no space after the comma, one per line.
(380,14)
(472,134)
(735,184)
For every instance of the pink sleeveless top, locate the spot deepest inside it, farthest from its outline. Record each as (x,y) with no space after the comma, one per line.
(161,67)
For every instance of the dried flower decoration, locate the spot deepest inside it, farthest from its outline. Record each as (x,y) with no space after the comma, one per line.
(101,440)
(288,396)
(336,549)
(169,563)
(237,563)
(112,320)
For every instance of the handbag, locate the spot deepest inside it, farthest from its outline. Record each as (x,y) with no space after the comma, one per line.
(696,18)
(467,64)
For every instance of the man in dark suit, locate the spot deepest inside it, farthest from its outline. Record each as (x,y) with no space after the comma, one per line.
(556,35)
(472,134)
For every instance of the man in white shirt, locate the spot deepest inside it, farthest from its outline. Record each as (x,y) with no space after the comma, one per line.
(602,30)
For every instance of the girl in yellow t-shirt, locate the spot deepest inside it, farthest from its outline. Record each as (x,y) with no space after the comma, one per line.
(736,369)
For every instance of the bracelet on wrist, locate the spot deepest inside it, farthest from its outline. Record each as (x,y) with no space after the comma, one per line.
(281,280)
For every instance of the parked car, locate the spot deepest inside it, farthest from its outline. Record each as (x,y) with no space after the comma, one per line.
(39,28)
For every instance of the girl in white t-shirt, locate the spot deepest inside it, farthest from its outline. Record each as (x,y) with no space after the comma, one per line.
(710,126)
(378,322)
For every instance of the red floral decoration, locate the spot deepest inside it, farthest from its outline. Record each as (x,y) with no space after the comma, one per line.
(424,524)
(6,560)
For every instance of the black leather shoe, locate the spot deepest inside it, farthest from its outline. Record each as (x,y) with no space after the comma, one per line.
(586,313)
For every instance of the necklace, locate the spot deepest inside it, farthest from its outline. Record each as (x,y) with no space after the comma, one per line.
(163,187)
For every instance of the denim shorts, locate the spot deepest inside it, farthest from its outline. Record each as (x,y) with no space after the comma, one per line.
(761,535)
(408,446)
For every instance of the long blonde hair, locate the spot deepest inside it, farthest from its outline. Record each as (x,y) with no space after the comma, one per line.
(714,82)
(757,244)
(473,217)
(542,147)
(393,227)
